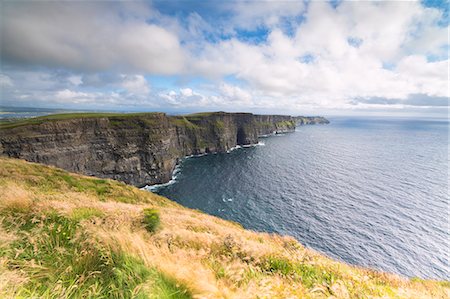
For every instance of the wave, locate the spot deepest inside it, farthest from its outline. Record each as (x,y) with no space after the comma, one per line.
(197,155)
(332,187)
(234,148)
(155,187)
(260,143)
(267,135)
(177,168)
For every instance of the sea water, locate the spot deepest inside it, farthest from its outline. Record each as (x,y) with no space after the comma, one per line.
(370,192)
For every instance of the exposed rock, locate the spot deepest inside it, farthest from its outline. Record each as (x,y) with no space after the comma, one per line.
(137,149)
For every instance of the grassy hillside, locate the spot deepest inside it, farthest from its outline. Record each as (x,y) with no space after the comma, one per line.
(65,235)
(9,124)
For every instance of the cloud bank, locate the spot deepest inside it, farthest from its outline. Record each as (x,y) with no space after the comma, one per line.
(274,56)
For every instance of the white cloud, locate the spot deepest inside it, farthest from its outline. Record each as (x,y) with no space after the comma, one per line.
(236,95)
(88,36)
(184,98)
(315,56)
(339,71)
(430,78)
(136,84)
(227,96)
(186,92)
(256,13)
(67,95)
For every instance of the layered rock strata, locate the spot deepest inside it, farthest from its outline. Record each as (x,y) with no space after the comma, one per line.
(138,149)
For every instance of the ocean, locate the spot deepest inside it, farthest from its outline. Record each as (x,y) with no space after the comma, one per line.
(368,191)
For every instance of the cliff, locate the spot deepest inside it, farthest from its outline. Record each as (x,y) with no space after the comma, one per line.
(139,149)
(64,235)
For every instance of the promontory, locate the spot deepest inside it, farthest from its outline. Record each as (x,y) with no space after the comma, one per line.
(139,148)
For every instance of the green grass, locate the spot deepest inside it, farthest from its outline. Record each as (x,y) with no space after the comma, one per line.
(202,114)
(98,186)
(220,125)
(59,179)
(49,253)
(164,287)
(196,117)
(59,257)
(50,179)
(115,118)
(309,275)
(151,220)
(85,213)
(62,260)
(182,121)
(64,116)
(285,123)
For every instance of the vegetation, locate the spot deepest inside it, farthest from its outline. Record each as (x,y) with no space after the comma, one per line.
(151,220)
(182,121)
(116,118)
(62,260)
(220,125)
(203,114)
(286,124)
(64,235)
(82,213)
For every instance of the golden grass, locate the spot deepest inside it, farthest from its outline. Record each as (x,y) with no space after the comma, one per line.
(212,257)
(10,279)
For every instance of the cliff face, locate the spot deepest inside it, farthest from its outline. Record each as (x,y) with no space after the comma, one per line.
(137,149)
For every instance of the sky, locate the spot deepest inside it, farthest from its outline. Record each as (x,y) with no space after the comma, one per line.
(290,57)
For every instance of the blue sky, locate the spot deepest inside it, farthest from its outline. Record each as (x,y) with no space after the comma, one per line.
(292,57)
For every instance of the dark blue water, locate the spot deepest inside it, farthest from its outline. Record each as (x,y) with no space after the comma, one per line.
(369,192)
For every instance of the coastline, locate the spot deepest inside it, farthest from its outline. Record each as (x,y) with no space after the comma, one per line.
(177,167)
(190,253)
(139,149)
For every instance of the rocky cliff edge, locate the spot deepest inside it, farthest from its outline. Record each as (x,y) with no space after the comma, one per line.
(138,149)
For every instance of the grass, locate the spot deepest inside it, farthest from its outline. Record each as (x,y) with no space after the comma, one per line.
(98,186)
(164,287)
(86,213)
(285,124)
(182,121)
(50,181)
(116,118)
(69,236)
(309,275)
(219,125)
(151,220)
(60,259)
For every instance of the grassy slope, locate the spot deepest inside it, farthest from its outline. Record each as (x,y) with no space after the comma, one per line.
(66,235)
(13,123)
(9,124)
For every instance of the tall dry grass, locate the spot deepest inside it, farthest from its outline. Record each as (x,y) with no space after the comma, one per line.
(192,254)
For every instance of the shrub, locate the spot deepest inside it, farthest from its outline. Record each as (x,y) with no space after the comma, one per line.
(151,220)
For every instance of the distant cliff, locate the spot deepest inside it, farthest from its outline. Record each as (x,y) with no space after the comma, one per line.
(138,149)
